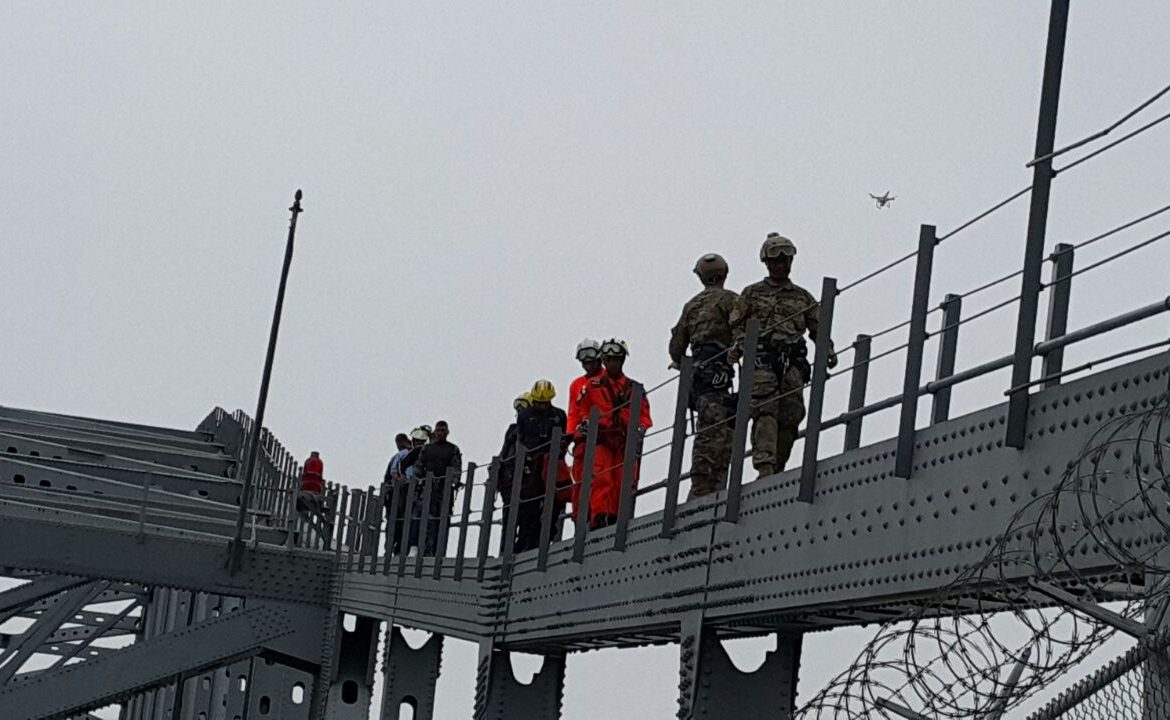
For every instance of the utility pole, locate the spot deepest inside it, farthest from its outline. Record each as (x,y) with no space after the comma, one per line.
(237,547)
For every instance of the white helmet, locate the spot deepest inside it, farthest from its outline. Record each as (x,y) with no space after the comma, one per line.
(588,349)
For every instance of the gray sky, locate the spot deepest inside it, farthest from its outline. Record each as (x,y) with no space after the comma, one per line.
(487,183)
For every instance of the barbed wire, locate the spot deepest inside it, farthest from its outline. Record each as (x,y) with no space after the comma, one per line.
(989,639)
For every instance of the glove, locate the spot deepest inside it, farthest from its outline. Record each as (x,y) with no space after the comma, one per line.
(831,361)
(672,366)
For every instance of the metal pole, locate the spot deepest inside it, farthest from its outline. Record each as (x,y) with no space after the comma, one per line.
(407,525)
(461,547)
(1061,289)
(485,517)
(948,345)
(424,523)
(514,504)
(816,396)
(743,413)
(444,521)
(1017,414)
(262,402)
(354,532)
(629,460)
(393,520)
(857,385)
(586,486)
(904,459)
(341,511)
(550,490)
(678,441)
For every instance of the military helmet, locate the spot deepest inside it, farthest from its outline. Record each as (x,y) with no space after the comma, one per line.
(711,265)
(614,348)
(542,391)
(588,349)
(776,245)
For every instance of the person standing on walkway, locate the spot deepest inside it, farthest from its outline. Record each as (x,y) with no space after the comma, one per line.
(507,469)
(589,355)
(534,429)
(705,327)
(611,392)
(785,311)
(436,458)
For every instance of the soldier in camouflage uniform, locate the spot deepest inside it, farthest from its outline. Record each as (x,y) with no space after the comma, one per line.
(785,312)
(705,326)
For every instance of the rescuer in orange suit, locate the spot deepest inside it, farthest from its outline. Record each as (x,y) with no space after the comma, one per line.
(589,355)
(610,392)
(309,499)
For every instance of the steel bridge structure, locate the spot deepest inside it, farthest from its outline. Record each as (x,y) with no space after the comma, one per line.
(119,537)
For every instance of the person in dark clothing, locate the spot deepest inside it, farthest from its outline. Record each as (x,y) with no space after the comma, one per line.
(534,428)
(508,465)
(401,470)
(435,459)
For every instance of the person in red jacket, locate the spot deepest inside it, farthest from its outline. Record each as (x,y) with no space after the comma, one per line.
(610,392)
(313,477)
(589,355)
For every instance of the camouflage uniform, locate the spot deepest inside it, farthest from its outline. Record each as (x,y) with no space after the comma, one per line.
(705,325)
(785,312)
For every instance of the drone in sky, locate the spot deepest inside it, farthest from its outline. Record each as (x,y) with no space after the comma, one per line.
(882,200)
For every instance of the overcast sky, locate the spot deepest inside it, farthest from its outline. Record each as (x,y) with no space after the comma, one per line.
(487,183)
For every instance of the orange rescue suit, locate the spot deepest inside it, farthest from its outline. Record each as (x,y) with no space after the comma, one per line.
(610,395)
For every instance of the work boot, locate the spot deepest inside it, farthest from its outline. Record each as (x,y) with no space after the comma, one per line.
(765,470)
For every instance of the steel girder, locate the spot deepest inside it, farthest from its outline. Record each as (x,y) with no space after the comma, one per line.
(74,543)
(868,541)
(77,421)
(172,480)
(118,675)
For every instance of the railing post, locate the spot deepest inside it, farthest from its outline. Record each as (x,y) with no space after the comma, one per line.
(424,522)
(444,522)
(354,519)
(1061,289)
(371,522)
(582,526)
(948,345)
(340,535)
(629,460)
(514,505)
(743,414)
(1030,285)
(407,525)
(904,459)
(461,547)
(857,385)
(678,442)
(550,490)
(392,522)
(816,395)
(485,517)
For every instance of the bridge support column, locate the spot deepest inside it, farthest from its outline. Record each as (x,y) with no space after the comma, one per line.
(353,677)
(712,688)
(410,675)
(499,696)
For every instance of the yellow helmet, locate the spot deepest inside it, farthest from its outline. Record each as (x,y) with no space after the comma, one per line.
(542,391)
(522,402)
